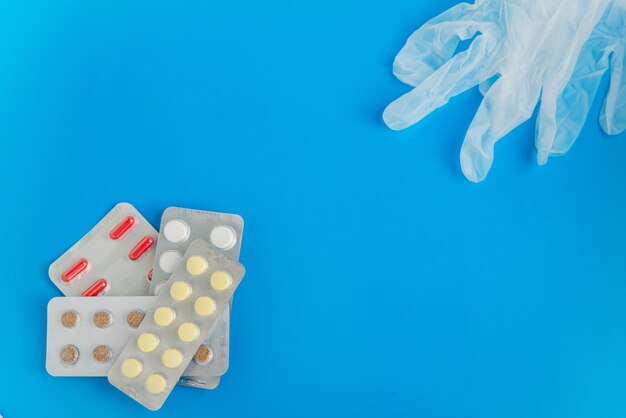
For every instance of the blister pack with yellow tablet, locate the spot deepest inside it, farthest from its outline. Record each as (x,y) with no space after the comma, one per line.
(157,353)
(181,226)
(85,335)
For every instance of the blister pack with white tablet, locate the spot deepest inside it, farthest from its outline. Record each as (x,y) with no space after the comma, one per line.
(180,226)
(157,353)
(85,335)
(114,258)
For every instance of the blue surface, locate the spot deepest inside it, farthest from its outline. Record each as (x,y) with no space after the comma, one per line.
(380,282)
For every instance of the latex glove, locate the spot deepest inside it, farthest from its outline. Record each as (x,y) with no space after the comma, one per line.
(562,117)
(520,47)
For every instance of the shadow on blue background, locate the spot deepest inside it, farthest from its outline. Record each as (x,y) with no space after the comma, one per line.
(380,282)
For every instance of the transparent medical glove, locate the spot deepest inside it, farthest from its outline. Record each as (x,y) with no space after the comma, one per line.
(563,115)
(520,47)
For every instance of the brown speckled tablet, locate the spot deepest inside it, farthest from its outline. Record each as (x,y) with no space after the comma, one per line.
(69,319)
(102,319)
(134,318)
(69,354)
(203,355)
(102,353)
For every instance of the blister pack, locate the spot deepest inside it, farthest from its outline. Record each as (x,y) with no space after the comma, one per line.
(183,314)
(85,335)
(114,258)
(180,226)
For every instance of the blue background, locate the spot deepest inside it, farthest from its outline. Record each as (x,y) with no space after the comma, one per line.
(380,282)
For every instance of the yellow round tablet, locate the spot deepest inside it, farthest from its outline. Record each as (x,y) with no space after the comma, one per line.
(180,291)
(204,306)
(131,367)
(172,358)
(188,331)
(147,342)
(220,280)
(197,265)
(164,316)
(155,384)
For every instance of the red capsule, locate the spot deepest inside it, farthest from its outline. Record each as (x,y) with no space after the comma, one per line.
(96,288)
(121,228)
(71,273)
(150,275)
(141,247)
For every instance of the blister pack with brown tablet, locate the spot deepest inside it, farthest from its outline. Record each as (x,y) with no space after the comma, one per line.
(85,335)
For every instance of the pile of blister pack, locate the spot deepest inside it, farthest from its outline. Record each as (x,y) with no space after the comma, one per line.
(164,317)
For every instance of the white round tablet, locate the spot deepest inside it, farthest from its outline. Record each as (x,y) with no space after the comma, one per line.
(223,237)
(169,260)
(176,230)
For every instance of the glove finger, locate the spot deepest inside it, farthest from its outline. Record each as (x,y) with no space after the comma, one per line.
(462,72)
(563,115)
(432,45)
(507,104)
(613,113)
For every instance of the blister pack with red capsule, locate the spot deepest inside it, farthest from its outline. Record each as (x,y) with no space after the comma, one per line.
(113,259)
